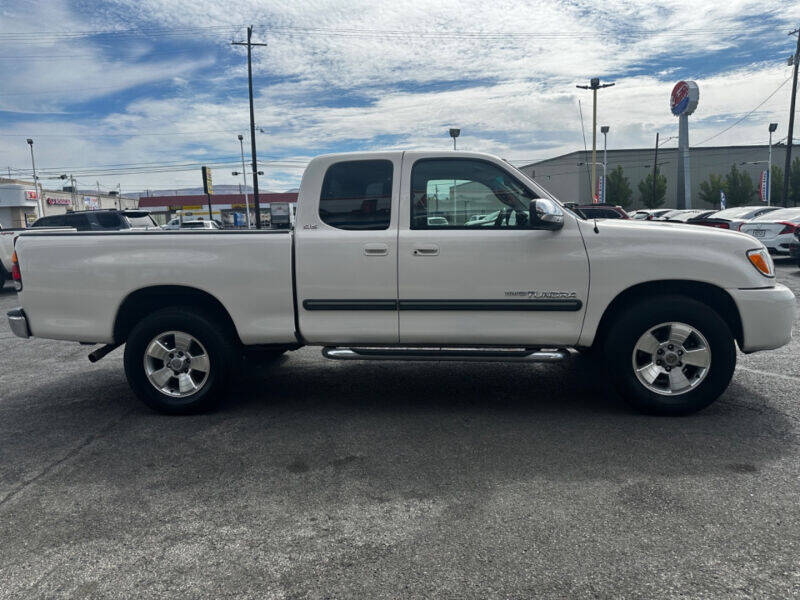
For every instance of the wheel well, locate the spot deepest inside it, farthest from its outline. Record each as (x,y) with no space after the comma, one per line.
(712,296)
(142,302)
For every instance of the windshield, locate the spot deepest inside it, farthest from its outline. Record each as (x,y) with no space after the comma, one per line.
(784,214)
(732,213)
(141,220)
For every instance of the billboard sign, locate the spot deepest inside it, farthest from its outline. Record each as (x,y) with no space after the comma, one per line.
(31,195)
(91,203)
(208,188)
(58,201)
(684,98)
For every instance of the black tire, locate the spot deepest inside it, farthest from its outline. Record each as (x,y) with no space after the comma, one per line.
(634,321)
(217,341)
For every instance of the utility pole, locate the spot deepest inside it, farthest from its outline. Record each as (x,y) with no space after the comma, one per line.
(249,45)
(655,170)
(594,85)
(788,164)
(244,178)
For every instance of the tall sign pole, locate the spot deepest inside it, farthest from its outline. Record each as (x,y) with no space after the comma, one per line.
(788,164)
(249,45)
(594,85)
(683,102)
(208,188)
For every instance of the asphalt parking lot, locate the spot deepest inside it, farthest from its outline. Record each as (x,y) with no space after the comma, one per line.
(383,480)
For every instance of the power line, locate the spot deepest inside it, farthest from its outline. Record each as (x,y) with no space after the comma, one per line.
(719,133)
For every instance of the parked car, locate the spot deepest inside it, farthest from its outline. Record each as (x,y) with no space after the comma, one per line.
(794,247)
(685,215)
(438,221)
(775,229)
(365,277)
(475,219)
(198,224)
(734,218)
(99,220)
(648,214)
(599,211)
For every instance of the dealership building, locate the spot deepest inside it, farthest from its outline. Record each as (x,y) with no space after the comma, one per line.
(230,209)
(568,177)
(20,206)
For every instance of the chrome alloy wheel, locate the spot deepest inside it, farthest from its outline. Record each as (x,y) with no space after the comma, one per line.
(176,364)
(671,358)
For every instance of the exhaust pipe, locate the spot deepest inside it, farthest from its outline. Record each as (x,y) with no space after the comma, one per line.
(102,351)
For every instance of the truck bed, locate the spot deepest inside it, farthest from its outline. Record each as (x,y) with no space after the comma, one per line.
(75,282)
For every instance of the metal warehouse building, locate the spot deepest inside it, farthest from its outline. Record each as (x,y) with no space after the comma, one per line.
(568,176)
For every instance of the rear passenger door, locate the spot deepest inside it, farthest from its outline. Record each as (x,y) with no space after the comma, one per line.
(346,251)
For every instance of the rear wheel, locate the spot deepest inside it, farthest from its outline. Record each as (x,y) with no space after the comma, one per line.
(177,360)
(670,355)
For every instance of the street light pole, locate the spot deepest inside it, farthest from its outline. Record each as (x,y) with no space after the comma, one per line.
(772,128)
(604,130)
(244,178)
(454,133)
(39,189)
(594,85)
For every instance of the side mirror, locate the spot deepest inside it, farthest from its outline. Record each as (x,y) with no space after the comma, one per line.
(546,214)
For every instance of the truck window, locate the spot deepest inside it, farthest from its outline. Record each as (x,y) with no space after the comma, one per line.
(108,220)
(357,194)
(466,193)
(78,221)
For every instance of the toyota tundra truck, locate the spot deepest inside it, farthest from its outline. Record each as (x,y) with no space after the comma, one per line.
(424,256)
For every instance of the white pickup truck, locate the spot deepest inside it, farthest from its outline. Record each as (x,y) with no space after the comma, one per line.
(506,274)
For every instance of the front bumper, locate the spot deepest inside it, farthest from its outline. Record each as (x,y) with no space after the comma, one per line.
(767,315)
(18,323)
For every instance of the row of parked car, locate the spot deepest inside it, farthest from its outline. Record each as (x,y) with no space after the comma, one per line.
(778,228)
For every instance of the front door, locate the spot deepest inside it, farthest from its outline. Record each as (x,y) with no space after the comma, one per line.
(347,252)
(471,271)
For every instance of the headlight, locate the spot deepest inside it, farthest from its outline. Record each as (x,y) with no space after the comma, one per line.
(762,261)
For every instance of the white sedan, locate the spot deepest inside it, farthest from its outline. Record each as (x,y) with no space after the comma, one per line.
(775,229)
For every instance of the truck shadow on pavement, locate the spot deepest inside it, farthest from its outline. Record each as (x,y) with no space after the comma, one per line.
(397,428)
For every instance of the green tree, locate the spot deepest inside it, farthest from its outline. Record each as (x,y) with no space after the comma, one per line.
(794,182)
(709,190)
(618,188)
(646,190)
(776,185)
(738,187)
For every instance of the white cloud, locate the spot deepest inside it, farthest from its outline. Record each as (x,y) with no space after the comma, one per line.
(512,95)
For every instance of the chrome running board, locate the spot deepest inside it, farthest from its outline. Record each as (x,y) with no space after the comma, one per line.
(446,354)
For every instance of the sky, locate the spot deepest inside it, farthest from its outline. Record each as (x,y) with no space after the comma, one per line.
(140,93)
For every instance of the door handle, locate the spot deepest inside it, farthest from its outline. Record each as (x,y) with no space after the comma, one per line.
(376,249)
(426,250)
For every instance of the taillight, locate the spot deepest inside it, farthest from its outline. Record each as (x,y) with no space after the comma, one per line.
(16,274)
(789,227)
(720,225)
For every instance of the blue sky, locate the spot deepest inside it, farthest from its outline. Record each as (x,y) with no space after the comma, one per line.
(132,92)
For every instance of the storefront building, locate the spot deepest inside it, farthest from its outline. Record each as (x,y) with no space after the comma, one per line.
(229,209)
(20,204)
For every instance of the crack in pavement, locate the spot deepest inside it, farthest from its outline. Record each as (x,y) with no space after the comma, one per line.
(23,485)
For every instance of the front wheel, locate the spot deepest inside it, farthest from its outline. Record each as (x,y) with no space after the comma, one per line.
(178,360)
(670,355)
